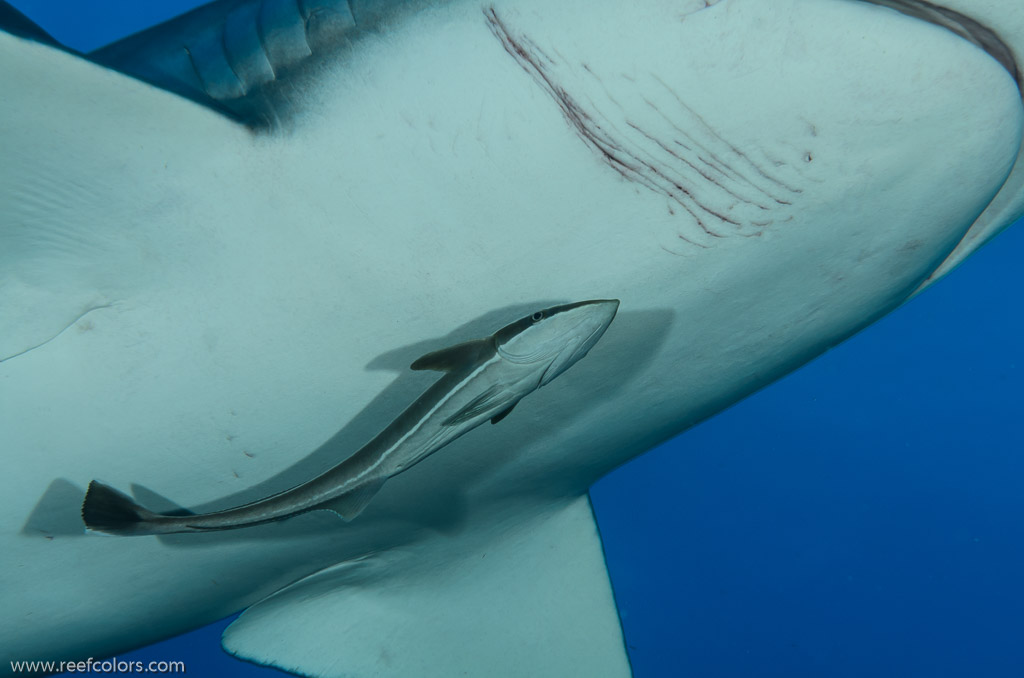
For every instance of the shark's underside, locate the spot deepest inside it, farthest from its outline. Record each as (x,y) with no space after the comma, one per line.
(205,280)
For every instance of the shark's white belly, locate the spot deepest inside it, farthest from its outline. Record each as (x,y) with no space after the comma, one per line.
(255,294)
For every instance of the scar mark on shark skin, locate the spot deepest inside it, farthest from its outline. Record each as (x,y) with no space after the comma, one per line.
(740,154)
(60,332)
(649,162)
(650,137)
(689,162)
(532,59)
(719,166)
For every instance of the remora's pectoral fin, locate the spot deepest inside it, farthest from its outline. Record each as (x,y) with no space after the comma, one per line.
(494,398)
(453,357)
(350,505)
(531,599)
(498,417)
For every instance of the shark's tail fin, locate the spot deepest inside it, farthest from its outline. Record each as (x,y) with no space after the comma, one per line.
(107,510)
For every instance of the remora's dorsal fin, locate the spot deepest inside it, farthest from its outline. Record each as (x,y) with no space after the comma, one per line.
(454,357)
(14,22)
(525,599)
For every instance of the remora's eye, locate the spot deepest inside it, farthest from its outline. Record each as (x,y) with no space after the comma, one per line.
(538,316)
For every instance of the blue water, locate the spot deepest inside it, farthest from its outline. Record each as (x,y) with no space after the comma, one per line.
(862,517)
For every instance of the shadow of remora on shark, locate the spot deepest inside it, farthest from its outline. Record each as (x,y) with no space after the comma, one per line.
(223,238)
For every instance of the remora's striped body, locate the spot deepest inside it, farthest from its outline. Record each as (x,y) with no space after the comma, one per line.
(483,380)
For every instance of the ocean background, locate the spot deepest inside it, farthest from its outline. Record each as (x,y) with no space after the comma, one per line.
(862,517)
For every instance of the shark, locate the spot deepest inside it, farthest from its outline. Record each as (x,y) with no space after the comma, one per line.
(227,236)
(484,379)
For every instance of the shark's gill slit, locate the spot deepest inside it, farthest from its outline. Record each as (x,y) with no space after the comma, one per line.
(967,28)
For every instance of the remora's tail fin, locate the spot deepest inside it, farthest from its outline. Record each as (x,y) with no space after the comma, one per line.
(107,510)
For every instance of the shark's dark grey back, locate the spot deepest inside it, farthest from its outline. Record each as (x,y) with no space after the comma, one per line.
(245,58)
(241,56)
(16,23)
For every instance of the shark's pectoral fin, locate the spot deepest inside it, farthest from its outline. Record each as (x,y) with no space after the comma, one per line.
(93,164)
(526,599)
(350,505)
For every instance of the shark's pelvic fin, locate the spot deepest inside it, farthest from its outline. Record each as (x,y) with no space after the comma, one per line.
(529,599)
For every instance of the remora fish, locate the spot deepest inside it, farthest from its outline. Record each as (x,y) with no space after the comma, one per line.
(484,379)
